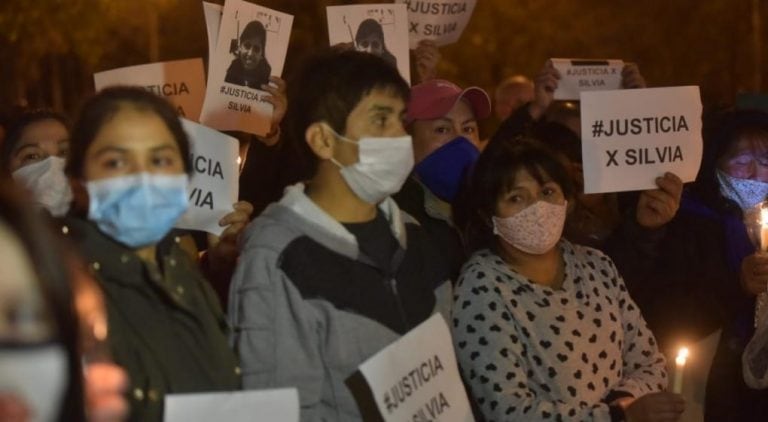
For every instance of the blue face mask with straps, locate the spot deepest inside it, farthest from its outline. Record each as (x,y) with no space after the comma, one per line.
(443,170)
(139,209)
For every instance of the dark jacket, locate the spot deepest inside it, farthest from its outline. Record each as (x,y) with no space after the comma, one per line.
(680,275)
(443,236)
(237,74)
(166,328)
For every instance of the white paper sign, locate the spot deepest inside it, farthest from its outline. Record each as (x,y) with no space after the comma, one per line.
(417,378)
(380,29)
(632,136)
(239,406)
(579,75)
(240,65)
(214,185)
(442,21)
(212,12)
(182,82)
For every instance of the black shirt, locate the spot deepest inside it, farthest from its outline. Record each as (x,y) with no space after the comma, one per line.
(375,240)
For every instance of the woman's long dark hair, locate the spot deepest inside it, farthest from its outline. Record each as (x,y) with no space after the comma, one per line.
(47,257)
(493,175)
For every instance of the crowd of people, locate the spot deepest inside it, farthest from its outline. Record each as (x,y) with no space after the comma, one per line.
(562,304)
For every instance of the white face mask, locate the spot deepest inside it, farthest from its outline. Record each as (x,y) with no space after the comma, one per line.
(48,184)
(745,192)
(534,230)
(382,167)
(37,376)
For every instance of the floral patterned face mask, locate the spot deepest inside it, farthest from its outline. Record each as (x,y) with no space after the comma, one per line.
(745,192)
(534,230)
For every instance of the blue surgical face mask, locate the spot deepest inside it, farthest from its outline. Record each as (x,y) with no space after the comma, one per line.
(442,170)
(140,209)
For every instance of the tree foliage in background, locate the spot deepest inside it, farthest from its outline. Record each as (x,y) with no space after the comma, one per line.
(684,42)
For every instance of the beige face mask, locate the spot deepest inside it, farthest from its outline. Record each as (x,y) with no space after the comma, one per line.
(534,230)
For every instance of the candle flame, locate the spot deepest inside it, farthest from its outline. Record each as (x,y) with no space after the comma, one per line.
(764,217)
(682,356)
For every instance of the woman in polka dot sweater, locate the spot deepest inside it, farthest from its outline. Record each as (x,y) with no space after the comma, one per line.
(545,329)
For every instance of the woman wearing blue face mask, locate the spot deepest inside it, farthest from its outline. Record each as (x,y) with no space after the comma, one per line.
(443,121)
(35,152)
(167,330)
(545,329)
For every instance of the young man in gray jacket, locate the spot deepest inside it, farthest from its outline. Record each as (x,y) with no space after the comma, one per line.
(334,271)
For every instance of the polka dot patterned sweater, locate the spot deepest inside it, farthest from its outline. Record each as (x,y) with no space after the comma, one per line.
(529,352)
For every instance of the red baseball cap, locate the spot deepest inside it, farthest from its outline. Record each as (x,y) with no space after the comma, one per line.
(435,98)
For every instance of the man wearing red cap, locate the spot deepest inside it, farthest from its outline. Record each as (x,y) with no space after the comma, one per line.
(442,119)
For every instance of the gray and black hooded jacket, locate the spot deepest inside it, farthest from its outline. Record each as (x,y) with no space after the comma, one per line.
(307,307)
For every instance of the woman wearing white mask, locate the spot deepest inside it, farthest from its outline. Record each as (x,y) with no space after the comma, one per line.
(545,329)
(35,152)
(131,154)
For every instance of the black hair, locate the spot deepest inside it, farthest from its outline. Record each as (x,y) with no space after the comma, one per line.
(47,257)
(560,139)
(369,27)
(17,127)
(326,88)
(721,129)
(494,174)
(254,29)
(102,107)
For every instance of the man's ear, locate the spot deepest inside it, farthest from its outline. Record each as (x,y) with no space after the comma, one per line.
(320,140)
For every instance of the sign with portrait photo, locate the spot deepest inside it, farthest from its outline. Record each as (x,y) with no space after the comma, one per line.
(212,13)
(442,21)
(181,82)
(250,47)
(380,29)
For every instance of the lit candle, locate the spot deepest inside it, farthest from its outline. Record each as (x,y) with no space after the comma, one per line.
(677,381)
(764,229)
(762,298)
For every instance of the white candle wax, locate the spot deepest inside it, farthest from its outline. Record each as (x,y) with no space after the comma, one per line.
(764,230)
(677,380)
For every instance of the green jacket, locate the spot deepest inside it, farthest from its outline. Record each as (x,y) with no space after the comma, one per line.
(166,327)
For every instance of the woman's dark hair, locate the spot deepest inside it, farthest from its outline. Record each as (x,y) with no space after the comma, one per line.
(721,129)
(17,127)
(494,175)
(254,29)
(326,88)
(46,255)
(560,139)
(369,27)
(102,107)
